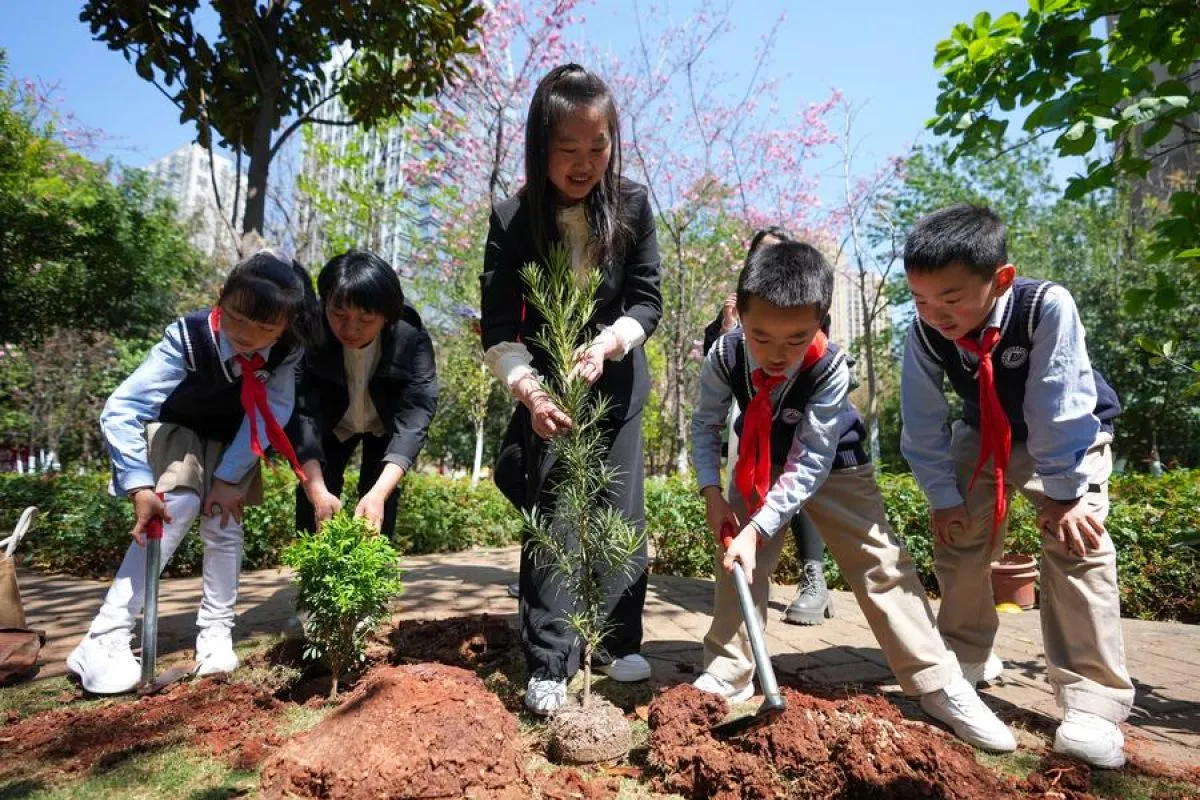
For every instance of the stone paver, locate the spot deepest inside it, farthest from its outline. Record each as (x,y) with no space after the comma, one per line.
(1164,658)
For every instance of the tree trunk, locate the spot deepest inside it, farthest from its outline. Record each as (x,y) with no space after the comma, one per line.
(478,466)
(260,168)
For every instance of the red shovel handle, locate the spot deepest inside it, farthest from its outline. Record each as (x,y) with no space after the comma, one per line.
(727,534)
(154,525)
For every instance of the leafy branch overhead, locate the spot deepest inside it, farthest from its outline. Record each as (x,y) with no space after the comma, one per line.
(270,64)
(1125,74)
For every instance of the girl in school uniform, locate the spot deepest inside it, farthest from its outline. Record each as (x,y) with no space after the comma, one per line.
(185,432)
(574,194)
(373,382)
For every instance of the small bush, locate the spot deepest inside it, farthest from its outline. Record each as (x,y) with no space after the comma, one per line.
(439,515)
(345,575)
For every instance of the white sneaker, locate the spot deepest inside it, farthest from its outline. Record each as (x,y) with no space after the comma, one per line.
(977,672)
(959,706)
(214,651)
(707,682)
(1092,739)
(627,669)
(544,696)
(105,663)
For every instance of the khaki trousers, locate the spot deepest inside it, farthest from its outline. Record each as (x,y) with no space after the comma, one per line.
(1080,604)
(848,511)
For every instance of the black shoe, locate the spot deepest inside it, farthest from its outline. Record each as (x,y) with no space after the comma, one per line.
(514,590)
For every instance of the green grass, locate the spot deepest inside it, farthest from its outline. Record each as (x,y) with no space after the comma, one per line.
(298,719)
(1114,784)
(177,772)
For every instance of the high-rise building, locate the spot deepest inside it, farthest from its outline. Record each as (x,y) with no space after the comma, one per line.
(847,321)
(187,178)
(374,167)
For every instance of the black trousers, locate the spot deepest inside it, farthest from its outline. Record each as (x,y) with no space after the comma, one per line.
(809,545)
(552,650)
(337,456)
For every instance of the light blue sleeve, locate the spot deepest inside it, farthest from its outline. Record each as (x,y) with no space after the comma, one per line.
(709,420)
(136,402)
(925,425)
(1060,398)
(812,453)
(238,458)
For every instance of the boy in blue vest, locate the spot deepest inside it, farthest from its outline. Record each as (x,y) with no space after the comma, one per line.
(1039,418)
(800,444)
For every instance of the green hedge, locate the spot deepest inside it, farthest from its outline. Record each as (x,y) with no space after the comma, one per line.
(83,531)
(1149,519)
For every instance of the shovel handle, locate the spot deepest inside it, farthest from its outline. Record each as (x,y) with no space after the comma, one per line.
(758,646)
(154,535)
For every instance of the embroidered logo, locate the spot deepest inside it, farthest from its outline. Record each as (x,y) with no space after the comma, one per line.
(262,375)
(791,416)
(1013,357)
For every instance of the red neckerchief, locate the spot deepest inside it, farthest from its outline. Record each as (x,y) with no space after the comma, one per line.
(254,399)
(995,433)
(752,473)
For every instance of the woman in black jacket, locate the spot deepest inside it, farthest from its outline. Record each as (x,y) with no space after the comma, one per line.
(574,194)
(373,382)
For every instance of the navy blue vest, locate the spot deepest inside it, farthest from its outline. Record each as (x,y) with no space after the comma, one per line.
(209,398)
(793,403)
(1011,358)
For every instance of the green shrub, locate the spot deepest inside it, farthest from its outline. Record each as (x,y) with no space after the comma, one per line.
(345,576)
(83,531)
(438,515)
(1150,518)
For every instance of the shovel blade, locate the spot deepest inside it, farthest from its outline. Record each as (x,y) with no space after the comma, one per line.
(170,676)
(768,711)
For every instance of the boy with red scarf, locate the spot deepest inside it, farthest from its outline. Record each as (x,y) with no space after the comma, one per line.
(1035,418)
(800,444)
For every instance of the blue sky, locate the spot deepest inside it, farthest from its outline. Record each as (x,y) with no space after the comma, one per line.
(878,52)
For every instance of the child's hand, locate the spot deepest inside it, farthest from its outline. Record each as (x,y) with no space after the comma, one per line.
(946,522)
(370,507)
(729,313)
(324,502)
(1073,524)
(589,361)
(743,548)
(719,513)
(146,506)
(225,499)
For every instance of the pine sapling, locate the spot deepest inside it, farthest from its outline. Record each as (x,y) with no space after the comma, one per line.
(346,574)
(582,537)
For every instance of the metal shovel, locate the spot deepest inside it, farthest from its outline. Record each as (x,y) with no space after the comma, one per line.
(773,703)
(149,683)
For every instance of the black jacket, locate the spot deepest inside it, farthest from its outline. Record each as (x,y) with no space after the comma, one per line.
(403,390)
(629,288)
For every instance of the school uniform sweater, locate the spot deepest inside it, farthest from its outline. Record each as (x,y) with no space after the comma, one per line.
(192,378)
(815,428)
(1055,402)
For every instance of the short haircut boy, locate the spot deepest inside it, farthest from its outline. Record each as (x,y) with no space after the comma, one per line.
(963,234)
(788,275)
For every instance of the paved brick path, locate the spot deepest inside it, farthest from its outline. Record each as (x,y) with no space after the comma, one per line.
(1164,658)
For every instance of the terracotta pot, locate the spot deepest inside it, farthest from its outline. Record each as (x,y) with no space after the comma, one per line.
(1014,579)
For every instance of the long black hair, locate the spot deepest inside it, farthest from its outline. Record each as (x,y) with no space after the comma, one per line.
(267,287)
(562,91)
